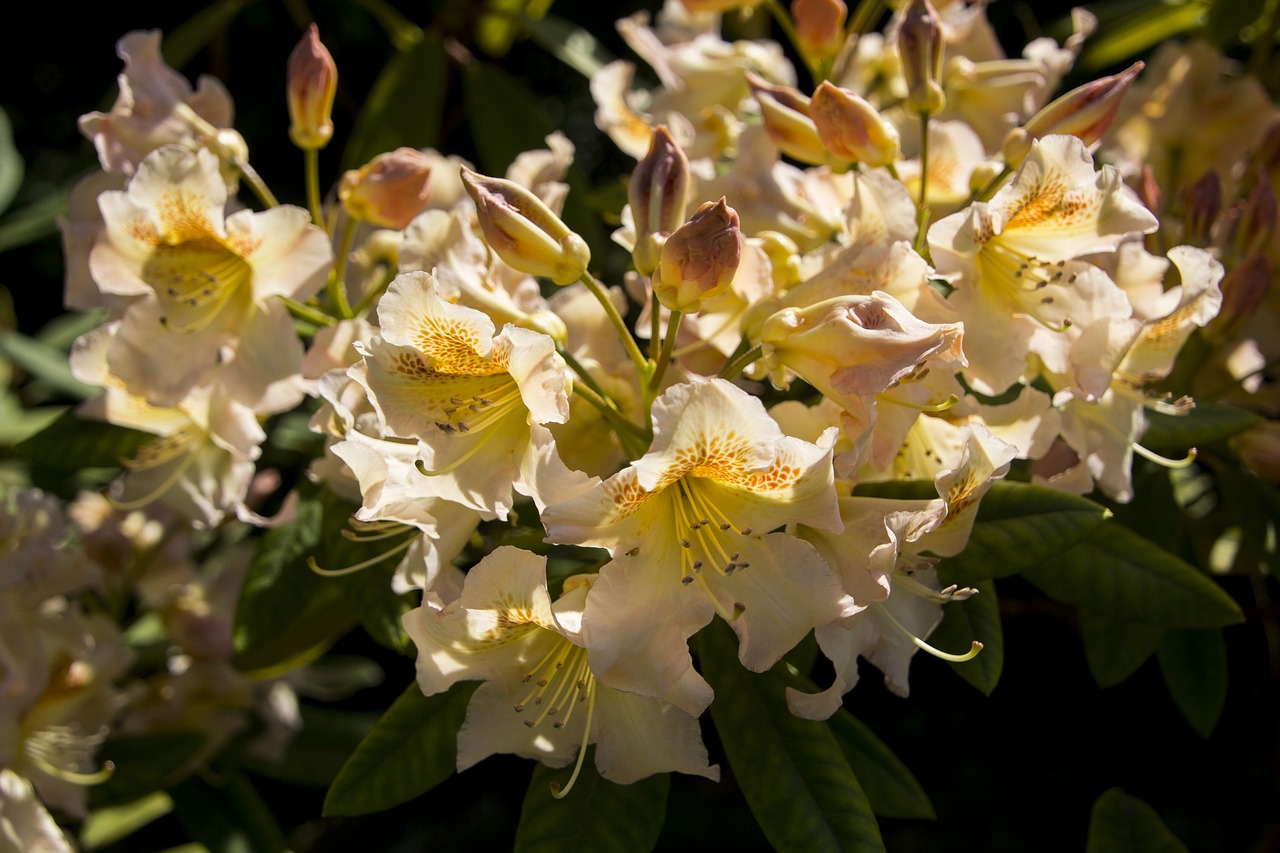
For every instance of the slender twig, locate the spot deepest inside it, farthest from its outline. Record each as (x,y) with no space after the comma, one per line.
(619,325)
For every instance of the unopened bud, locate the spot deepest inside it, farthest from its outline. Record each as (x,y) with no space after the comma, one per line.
(1267,155)
(787,121)
(920,47)
(524,232)
(659,197)
(1243,291)
(1085,112)
(700,258)
(820,26)
(1257,221)
(851,129)
(784,258)
(312,83)
(1203,202)
(1259,449)
(390,190)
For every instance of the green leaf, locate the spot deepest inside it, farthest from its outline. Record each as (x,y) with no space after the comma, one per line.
(793,773)
(326,742)
(963,622)
(1207,423)
(1194,666)
(195,33)
(503,116)
(144,764)
(44,362)
(109,825)
(1227,18)
(18,423)
(404,106)
(227,814)
(287,614)
(569,43)
(1134,34)
(413,748)
(1121,823)
(71,443)
(11,166)
(33,222)
(1019,526)
(890,787)
(1115,648)
(596,814)
(1120,574)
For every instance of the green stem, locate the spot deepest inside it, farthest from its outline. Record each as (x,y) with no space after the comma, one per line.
(306,312)
(583,374)
(643,366)
(311,157)
(864,16)
(337,288)
(655,324)
(664,358)
(255,182)
(369,294)
(634,439)
(989,190)
(738,364)
(924,158)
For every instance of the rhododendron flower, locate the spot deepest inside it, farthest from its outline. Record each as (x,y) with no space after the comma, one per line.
(540,699)
(688,526)
(202,281)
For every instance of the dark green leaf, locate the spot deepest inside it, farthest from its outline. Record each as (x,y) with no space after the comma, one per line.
(325,743)
(287,614)
(34,221)
(194,34)
(404,105)
(1120,823)
(596,814)
(1134,34)
(1194,666)
(71,443)
(413,748)
(10,163)
(796,779)
(1115,648)
(1207,423)
(1120,574)
(144,763)
(1018,527)
(975,618)
(569,43)
(227,814)
(891,788)
(44,362)
(1227,18)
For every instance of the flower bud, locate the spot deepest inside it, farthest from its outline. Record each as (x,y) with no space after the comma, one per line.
(1085,112)
(659,196)
(852,129)
(312,83)
(1257,221)
(1259,449)
(1203,202)
(1243,290)
(389,190)
(820,26)
(786,119)
(1266,156)
(524,232)
(699,259)
(920,47)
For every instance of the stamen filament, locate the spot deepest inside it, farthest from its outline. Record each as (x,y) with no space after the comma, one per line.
(352,569)
(921,644)
(1164,461)
(582,751)
(158,491)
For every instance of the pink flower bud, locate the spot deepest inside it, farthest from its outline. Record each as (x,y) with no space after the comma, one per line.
(700,258)
(787,121)
(388,191)
(524,232)
(820,26)
(1085,112)
(659,196)
(1203,203)
(1259,449)
(851,129)
(920,47)
(312,83)
(1257,222)
(1243,291)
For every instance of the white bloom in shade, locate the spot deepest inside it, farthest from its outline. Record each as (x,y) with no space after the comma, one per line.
(878,557)
(25,824)
(200,281)
(1014,258)
(476,402)
(688,526)
(540,699)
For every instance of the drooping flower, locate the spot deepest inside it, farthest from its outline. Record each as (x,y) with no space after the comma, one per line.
(689,527)
(540,698)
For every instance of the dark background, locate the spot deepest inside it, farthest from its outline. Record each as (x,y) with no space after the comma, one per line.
(1017,771)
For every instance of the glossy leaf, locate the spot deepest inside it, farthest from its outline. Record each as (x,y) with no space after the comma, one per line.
(890,787)
(11,167)
(596,814)
(1194,666)
(569,43)
(1136,33)
(793,773)
(404,106)
(1120,574)
(1207,423)
(109,825)
(44,362)
(975,618)
(413,748)
(1120,823)
(1115,648)
(72,442)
